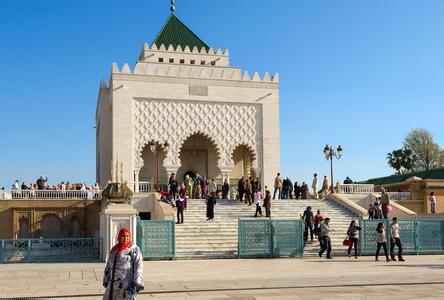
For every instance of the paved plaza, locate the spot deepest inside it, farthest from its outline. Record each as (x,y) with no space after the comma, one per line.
(419,278)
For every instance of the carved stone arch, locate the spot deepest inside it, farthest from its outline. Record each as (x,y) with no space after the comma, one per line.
(51,226)
(244,160)
(208,136)
(250,149)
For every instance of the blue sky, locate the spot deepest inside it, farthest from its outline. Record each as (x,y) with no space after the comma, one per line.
(356,73)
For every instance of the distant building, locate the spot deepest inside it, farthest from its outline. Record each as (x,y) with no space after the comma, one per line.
(419,184)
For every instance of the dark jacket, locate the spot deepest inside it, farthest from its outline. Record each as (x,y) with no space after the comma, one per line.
(267,201)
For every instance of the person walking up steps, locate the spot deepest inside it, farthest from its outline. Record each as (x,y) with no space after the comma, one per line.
(308,222)
(381,241)
(396,240)
(267,204)
(325,238)
(353,236)
(257,202)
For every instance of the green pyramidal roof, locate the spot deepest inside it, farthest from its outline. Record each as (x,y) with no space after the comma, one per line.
(176,33)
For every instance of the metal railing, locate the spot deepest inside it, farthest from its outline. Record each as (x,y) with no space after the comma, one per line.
(51,195)
(270,238)
(156,239)
(418,236)
(51,250)
(357,188)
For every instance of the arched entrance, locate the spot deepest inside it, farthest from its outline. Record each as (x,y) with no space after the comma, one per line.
(198,155)
(191,174)
(243,157)
(23,228)
(153,158)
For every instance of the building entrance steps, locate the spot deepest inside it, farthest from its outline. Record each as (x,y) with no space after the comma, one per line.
(198,238)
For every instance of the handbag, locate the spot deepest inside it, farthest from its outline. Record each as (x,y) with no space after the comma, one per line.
(347,242)
(389,208)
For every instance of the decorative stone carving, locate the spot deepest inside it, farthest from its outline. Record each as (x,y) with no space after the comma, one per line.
(230,125)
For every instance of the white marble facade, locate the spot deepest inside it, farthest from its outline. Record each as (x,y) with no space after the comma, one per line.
(174,94)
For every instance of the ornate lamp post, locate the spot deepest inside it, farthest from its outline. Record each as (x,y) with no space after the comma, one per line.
(329,153)
(156,148)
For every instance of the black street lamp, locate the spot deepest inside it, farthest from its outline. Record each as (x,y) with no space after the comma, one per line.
(329,153)
(156,148)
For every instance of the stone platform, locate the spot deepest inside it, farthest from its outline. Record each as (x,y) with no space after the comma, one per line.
(421,277)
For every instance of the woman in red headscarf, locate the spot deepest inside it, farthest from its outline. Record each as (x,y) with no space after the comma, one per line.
(123,276)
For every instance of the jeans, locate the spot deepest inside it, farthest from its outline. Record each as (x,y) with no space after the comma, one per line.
(392,247)
(384,246)
(258,210)
(275,190)
(307,227)
(325,245)
(179,214)
(355,244)
(433,207)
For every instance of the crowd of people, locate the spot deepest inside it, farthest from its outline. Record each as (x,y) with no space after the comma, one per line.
(42,184)
(319,227)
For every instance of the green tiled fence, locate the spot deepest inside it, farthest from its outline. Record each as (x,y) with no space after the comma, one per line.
(418,236)
(50,250)
(270,238)
(156,239)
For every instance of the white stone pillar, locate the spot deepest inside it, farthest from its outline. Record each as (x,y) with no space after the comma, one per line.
(136,181)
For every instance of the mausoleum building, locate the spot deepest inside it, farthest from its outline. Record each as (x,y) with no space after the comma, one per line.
(184,105)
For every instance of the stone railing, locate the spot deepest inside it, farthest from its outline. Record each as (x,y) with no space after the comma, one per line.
(399,195)
(50,195)
(357,188)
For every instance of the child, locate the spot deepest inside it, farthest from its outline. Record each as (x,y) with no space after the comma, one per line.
(370,212)
(381,241)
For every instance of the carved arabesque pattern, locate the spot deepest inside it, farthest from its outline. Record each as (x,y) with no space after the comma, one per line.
(226,125)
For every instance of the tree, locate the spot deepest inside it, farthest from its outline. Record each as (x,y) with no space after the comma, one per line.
(426,151)
(402,160)
(442,158)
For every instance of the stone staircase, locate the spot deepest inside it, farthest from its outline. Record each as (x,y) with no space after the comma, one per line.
(198,238)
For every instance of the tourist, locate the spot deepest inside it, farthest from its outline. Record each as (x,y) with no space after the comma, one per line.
(183,193)
(371,212)
(325,238)
(314,186)
(348,180)
(257,202)
(377,213)
(381,241)
(297,190)
(189,185)
(249,192)
(225,190)
(396,240)
(241,188)
(284,194)
(432,199)
(317,221)
(307,217)
(123,277)
(172,186)
(24,186)
(204,187)
(267,203)
(197,187)
(210,208)
(385,202)
(41,182)
(15,185)
(180,204)
(277,186)
(325,186)
(353,236)
(212,188)
(289,188)
(304,191)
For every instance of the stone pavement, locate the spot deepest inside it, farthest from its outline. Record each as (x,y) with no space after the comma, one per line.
(345,278)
